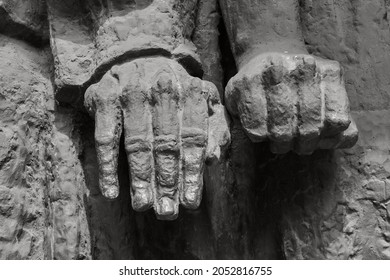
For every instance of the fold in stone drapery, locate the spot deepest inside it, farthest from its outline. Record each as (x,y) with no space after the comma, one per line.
(89,37)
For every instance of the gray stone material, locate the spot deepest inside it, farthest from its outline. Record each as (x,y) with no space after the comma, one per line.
(199,129)
(172,124)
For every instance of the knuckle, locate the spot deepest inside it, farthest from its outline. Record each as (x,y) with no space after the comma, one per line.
(193,137)
(137,144)
(167,153)
(166,209)
(272,76)
(210,92)
(103,139)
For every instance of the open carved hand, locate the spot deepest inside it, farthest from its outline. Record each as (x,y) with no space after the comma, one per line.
(172,124)
(297,102)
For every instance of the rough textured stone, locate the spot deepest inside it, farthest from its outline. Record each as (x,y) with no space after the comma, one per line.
(345,214)
(345,209)
(88,37)
(172,124)
(42,210)
(70,232)
(298,102)
(205,38)
(159,133)
(25,20)
(255,27)
(26,98)
(357,35)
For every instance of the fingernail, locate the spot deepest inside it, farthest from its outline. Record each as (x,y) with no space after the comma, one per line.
(142,200)
(166,209)
(192,197)
(111,192)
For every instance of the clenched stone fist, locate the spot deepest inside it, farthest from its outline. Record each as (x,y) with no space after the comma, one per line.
(172,123)
(297,102)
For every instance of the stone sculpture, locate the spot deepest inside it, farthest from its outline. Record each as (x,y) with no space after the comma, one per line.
(281,93)
(172,123)
(305,96)
(155,77)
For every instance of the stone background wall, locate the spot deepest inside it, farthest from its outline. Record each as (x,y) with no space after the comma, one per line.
(330,205)
(343,213)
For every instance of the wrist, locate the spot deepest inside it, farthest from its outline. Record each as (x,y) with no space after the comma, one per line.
(288,47)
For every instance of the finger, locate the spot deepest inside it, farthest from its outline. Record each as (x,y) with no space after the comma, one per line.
(218,134)
(138,135)
(349,136)
(165,97)
(282,100)
(343,140)
(103,99)
(194,139)
(336,104)
(245,99)
(310,121)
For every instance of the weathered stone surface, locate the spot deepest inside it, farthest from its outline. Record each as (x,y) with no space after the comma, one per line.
(357,35)
(25,19)
(298,102)
(172,124)
(89,37)
(26,103)
(206,39)
(345,214)
(42,214)
(67,193)
(288,89)
(255,27)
